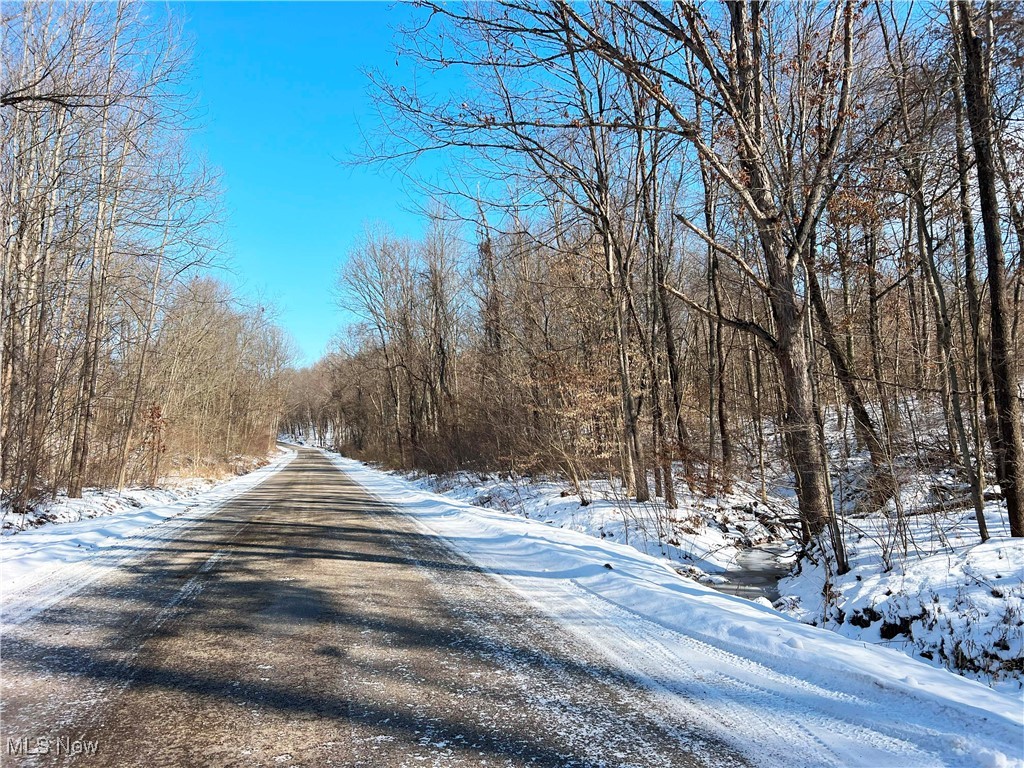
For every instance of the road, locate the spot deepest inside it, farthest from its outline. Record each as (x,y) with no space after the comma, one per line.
(306,624)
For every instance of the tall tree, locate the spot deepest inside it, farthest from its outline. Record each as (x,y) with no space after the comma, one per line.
(978,96)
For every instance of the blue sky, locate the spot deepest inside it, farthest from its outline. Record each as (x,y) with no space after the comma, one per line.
(282,100)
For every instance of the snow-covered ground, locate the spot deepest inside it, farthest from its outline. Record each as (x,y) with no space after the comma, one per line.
(101,532)
(100,502)
(920,581)
(784,692)
(948,600)
(702,537)
(97,502)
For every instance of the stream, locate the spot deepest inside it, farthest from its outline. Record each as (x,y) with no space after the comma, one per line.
(757,574)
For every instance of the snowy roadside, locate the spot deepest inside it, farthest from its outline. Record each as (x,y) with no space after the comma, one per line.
(951,600)
(39,566)
(100,502)
(948,600)
(703,536)
(784,692)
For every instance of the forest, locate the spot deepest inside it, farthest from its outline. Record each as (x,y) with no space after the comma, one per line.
(124,358)
(685,246)
(689,375)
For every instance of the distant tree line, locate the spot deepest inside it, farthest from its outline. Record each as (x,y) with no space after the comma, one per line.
(708,237)
(120,360)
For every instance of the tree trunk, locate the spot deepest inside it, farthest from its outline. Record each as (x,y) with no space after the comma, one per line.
(1003,357)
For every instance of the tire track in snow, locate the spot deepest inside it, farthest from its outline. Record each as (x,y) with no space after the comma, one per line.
(23,600)
(771,727)
(743,712)
(593,739)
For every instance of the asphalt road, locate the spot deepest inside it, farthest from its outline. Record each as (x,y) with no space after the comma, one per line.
(306,624)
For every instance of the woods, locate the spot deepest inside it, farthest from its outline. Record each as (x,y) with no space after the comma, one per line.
(691,244)
(527,382)
(698,243)
(122,359)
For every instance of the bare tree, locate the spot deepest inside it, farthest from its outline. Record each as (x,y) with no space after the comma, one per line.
(1010,449)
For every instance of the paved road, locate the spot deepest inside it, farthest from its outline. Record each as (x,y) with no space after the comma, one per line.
(305,624)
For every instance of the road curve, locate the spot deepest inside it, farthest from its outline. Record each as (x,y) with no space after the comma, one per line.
(306,624)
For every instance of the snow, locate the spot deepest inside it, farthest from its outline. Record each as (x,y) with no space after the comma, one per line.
(97,502)
(704,536)
(54,560)
(947,600)
(920,579)
(784,692)
(951,601)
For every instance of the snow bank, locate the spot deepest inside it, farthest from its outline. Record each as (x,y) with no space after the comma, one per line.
(97,502)
(54,560)
(949,600)
(784,692)
(703,535)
